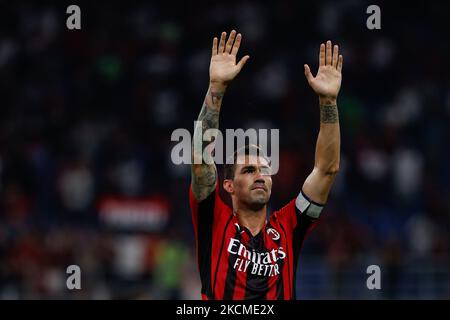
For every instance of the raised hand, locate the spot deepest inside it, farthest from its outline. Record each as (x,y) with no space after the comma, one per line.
(327,82)
(223,67)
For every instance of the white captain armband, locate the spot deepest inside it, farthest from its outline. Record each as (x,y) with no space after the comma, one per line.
(308,207)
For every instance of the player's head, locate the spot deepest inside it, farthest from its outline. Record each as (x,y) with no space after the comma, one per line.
(248,178)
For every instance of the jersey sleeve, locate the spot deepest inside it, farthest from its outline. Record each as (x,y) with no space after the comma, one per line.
(206,212)
(202,211)
(300,215)
(207,216)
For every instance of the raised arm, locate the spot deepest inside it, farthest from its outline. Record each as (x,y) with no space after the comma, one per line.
(222,69)
(326,84)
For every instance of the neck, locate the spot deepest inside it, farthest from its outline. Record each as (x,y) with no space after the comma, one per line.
(252,219)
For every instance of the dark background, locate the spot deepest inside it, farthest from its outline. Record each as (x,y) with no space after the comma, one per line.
(88,114)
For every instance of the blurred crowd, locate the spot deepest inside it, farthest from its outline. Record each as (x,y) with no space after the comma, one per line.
(86,118)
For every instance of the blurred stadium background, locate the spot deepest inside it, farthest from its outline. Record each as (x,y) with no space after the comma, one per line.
(86,119)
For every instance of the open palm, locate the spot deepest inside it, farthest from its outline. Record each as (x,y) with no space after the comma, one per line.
(327,82)
(223,67)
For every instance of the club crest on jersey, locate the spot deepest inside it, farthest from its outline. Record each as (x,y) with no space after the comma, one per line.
(273,233)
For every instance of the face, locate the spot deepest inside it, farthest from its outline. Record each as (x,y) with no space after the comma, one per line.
(252,183)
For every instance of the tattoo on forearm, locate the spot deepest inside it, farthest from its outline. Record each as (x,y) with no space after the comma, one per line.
(329,114)
(204,176)
(217,97)
(203,181)
(209,115)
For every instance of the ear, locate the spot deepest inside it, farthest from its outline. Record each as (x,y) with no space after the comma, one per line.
(228,186)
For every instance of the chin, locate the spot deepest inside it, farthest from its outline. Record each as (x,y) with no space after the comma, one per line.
(260,201)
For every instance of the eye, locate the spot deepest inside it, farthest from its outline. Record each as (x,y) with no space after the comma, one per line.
(265,171)
(249,170)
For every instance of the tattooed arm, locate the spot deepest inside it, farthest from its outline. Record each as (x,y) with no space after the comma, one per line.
(326,84)
(204,174)
(222,69)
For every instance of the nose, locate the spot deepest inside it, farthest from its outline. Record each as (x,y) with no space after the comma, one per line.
(259,175)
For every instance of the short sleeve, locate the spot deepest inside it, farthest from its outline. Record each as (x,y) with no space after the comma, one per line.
(208,211)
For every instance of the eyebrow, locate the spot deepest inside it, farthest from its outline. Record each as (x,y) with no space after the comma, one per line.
(253,167)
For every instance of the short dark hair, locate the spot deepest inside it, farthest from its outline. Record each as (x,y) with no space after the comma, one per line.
(229,169)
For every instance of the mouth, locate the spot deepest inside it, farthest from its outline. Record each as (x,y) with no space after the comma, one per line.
(259,187)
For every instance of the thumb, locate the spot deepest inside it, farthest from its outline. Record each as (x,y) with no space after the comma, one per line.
(242,62)
(308,74)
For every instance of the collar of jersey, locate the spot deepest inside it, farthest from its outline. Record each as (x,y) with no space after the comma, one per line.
(242,228)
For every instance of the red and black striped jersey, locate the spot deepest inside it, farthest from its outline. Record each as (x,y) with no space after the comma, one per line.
(236,265)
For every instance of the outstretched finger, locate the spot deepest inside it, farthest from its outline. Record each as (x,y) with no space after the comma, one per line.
(242,62)
(322,55)
(214,46)
(335,56)
(328,54)
(236,45)
(308,74)
(222,42)
(340,61)
(230,41)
